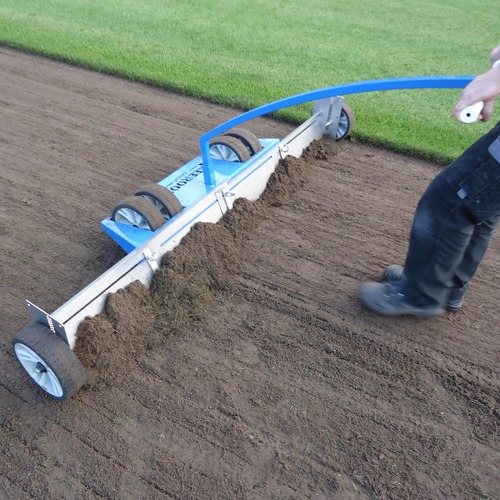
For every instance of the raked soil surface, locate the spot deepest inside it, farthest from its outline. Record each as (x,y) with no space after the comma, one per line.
(250,370)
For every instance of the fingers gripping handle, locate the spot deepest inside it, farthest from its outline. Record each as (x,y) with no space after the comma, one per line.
(471,113)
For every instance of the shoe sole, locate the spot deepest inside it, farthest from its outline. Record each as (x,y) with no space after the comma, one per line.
(419,314)
(366,295)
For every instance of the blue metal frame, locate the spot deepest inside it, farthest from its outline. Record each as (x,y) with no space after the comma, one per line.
(419,82)
(197,178)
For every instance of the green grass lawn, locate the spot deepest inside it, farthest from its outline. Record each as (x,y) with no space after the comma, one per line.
(249,53)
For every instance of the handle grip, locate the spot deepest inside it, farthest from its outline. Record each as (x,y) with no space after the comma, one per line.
(471,113)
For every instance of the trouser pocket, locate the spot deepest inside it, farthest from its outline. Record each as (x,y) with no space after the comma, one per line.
(480,191)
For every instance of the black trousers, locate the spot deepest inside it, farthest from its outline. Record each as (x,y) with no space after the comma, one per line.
(453,225)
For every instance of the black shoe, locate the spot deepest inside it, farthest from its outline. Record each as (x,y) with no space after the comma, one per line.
(395,274)
(387,299)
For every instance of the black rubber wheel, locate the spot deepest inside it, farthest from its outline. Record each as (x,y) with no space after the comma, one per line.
(248,138)
(139,212)
(162,198)
(225,147)
(346,122)
(49,361)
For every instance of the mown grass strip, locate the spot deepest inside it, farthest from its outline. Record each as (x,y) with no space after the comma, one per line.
(245,54)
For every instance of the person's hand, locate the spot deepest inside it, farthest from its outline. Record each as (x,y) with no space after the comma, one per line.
(485,87)
(495,55)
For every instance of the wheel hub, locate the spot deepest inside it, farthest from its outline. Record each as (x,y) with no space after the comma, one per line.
(40,368)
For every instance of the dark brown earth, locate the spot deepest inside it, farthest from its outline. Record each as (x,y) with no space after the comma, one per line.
(250,370)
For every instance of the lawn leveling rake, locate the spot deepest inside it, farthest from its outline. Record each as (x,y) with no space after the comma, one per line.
(234,163)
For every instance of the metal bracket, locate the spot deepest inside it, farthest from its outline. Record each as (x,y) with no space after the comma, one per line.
(284,149)
(333,116)
(228,198)
(151,257)
(40,316)
(224,198)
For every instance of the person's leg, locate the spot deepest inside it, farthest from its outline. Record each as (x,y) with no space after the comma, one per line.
(441,232)
(447,240)
(440,235)
(474,253)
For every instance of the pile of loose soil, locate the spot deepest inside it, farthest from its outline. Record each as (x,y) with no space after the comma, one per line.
(206,262)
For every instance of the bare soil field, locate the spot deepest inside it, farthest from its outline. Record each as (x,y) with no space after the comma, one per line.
(250,370)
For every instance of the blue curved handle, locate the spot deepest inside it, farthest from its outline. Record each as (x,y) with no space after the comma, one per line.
(418,82)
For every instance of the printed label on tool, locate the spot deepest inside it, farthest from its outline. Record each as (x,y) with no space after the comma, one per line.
(185,178)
